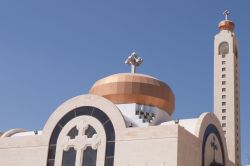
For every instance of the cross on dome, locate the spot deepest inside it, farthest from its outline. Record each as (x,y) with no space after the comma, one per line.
(134,61)
(226,13)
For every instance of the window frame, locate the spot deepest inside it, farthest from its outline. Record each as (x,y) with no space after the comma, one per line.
(79,111)
(87,121)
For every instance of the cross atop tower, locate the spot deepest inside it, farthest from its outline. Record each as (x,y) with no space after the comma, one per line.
(226,13)
(134,61)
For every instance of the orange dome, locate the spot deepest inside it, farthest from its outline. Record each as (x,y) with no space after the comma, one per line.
(135,88)
(226,25)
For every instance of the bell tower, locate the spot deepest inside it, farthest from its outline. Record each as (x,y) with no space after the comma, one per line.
(227,86)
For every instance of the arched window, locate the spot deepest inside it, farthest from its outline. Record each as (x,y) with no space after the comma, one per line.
(213,153)
(223,48)
(95,132)
(82,141)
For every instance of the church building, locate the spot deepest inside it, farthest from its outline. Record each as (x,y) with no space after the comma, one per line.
(126,120)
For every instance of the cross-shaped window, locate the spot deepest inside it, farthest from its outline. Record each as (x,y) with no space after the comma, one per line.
(80,143)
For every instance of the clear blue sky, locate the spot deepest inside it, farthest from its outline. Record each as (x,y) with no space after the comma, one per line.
(51,51)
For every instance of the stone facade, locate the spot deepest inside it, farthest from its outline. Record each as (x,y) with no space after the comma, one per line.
(170,144)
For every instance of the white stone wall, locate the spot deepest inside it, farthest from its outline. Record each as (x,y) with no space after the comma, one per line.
(23,151)
(189,149)
(131,118)
(147,146)
(165,145)
(168,144)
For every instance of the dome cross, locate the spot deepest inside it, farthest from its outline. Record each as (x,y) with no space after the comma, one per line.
(134,61)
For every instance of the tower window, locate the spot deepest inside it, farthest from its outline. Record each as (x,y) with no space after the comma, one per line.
(223,117)
(223,75)
(236,53)
(223,82)
(223,69)
(223,89)
(223,103)
(223,62)
(223,96)
(223,48)
(223,124)
(224,110)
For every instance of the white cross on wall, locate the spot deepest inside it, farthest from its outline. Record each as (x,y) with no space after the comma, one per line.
(81,142)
